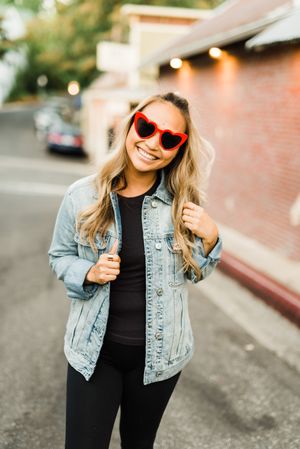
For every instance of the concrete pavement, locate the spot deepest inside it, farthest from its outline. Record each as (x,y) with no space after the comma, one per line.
(241,390)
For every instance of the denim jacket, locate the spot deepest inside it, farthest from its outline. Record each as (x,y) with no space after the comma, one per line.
(169,338)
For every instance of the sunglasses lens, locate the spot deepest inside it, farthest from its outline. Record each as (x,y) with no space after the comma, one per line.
(170,141)
(144,128)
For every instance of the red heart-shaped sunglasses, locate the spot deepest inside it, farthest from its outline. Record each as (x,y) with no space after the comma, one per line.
(146,128)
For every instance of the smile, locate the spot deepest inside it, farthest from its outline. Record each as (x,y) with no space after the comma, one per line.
(146,155)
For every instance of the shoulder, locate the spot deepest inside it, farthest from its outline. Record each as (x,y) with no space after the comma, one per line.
(83,185)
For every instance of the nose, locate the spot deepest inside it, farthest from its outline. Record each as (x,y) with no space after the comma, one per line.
(153,142)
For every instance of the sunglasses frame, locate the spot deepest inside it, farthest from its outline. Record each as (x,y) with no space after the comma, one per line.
(139,115)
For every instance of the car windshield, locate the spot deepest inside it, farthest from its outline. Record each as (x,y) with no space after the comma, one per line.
(66,123)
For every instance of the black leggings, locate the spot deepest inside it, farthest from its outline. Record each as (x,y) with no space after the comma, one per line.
(92,405)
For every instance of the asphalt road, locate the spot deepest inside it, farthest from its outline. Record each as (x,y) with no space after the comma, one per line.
(240,391)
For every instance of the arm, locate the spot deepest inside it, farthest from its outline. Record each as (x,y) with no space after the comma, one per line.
(208,243)
(63,255)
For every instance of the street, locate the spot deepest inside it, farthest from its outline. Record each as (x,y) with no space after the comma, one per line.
(240,391)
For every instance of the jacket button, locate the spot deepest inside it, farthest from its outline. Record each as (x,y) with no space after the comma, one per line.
(159,291)
(158,245)
(158,335)
(154,203)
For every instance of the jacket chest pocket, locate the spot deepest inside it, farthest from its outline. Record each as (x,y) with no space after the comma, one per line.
(175,262)
(85,250)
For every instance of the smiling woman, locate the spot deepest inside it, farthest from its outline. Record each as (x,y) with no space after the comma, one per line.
(153,139)
(126,241)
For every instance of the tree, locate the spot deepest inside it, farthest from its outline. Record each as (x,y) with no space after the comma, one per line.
(5,43)
(33,5)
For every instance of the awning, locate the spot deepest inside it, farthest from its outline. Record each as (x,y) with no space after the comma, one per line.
(285,30)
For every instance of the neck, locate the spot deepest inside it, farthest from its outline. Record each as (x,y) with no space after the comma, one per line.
(139,181)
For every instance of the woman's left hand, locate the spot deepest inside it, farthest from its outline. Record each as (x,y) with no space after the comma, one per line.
(199,222)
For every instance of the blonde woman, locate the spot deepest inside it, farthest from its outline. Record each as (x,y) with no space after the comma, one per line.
(126,241)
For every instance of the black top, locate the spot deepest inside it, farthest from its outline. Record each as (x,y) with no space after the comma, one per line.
(126,321)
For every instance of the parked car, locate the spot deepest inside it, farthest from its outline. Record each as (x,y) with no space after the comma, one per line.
(65,137)
(52,111)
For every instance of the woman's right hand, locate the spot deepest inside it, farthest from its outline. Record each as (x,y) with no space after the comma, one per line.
(105,270)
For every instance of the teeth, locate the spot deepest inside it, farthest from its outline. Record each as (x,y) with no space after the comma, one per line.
(146,154)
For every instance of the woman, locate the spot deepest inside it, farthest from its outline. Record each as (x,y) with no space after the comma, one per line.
(125,242)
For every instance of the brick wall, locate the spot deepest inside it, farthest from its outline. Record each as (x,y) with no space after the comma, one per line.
(248,106)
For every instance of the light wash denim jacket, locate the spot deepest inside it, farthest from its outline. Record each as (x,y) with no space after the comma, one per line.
(169,337)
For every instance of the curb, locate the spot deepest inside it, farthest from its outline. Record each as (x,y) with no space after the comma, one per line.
(277,295)
(18,104)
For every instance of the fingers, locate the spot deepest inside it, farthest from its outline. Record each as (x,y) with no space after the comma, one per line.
(190,208)
(114,248)
(109,264)
(111,271)
(104,272)
(187,218)
(189,212)
(110,260)
(112,253)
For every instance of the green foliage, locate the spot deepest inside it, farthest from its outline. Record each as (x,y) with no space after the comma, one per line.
(5,43)
(32,5)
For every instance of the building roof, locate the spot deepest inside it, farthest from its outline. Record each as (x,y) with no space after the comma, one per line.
(285,30)
(234,20)
(165,11)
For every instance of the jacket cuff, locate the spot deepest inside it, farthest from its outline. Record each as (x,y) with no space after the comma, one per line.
(75,277)
(213,255)
(207,263)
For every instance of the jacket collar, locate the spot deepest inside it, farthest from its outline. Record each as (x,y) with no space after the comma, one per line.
(161,192)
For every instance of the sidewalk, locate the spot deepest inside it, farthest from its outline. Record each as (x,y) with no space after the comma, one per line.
(17,105)
(269,275)
(266,325)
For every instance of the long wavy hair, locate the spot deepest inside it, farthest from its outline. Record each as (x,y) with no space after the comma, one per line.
(186,179)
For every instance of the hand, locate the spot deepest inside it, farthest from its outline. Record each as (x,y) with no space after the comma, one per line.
(105,270)
(199,222)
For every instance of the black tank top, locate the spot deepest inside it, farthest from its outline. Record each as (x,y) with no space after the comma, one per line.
(126,321)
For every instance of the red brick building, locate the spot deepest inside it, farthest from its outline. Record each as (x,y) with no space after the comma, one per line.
(247,103)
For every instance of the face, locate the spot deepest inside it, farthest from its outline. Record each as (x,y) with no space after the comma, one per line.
(166,116)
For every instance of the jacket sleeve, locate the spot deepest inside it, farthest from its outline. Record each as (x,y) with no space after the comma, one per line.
(63,253)
(207,263)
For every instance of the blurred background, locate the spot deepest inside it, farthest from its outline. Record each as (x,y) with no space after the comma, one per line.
(69,71)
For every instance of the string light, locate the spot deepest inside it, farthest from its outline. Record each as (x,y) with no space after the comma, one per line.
(73,87)
(215,52)
(176,63)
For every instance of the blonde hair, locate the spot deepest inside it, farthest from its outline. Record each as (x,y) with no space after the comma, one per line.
(186,178)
